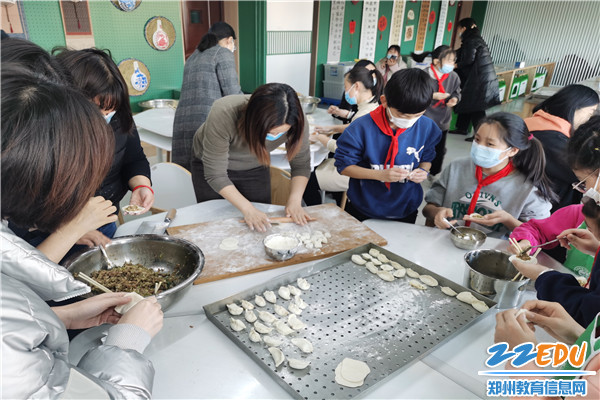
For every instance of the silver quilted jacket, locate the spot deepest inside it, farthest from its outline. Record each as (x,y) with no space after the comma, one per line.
(35,343)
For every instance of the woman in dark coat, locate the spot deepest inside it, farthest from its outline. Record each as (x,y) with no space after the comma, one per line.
(476,71)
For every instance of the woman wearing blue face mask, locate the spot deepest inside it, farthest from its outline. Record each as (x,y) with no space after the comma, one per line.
(445,97)
(580,299)
(503,180)
(231,151)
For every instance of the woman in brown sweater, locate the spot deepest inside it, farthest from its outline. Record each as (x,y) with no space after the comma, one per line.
(231,151)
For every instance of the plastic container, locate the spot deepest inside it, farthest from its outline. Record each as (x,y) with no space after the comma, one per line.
(333,90)
(334,72)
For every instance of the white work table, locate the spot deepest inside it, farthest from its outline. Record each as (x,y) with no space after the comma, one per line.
(194,359)
(155,127)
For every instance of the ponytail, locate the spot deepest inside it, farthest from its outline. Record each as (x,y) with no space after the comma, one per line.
(531,159)
(218,31)
(420,57)
(371,80)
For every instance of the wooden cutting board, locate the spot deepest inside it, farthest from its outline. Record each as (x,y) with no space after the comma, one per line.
(346,233)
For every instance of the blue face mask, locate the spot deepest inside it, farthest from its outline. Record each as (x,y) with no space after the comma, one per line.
(447,68)
(351,100)
(109,116)
(270,137)
(486,157)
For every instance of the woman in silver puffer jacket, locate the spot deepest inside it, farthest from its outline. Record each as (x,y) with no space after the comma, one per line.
(56,149)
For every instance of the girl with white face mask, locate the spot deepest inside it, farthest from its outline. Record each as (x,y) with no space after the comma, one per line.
(503,180)
(445,97)
(582,303)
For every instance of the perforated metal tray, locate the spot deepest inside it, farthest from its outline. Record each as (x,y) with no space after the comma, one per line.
(354,313)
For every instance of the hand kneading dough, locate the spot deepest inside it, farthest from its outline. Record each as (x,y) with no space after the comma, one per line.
(135,298)
(466,297)
(229,244)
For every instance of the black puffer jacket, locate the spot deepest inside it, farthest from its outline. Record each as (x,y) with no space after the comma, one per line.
(476,71)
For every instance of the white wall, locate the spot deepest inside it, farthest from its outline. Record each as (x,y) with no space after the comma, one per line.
(293,69)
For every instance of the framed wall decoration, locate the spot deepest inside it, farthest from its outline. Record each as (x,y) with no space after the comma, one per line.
(77,24)
(136,75)
(126,5)
(160,33)
(397,21)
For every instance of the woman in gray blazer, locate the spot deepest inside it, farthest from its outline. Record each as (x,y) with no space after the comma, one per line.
(209,74)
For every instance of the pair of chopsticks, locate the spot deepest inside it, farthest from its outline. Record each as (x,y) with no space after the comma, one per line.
(537,245)
(512,241)
(100,286)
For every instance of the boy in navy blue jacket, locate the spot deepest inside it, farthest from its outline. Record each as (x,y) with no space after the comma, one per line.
(388,153)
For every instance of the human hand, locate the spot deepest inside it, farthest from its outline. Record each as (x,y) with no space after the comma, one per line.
(512,330)
(440,215)
(93,238)
(96,213)
(529,270)
(333,110)
(96,310)
(440,95)
(313,137)
(554,319)
(146,314)
(393,174)
(582,239)
(256,219)
(142,197)
(297,213)
(497,217)
(418,175)
(452,102)
(523,243)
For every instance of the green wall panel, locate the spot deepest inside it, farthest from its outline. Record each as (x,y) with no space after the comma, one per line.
(44,23)
(253,44)
(352,12)
(432,28)
(323,44)
(123,34)
(451,17)
(478,12)
(383,38)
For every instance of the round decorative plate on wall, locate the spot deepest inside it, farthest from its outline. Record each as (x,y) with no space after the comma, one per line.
(136,75)
(159,33)
(126,5)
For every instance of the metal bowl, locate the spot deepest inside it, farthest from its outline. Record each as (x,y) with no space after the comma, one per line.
(158,103)
(490,273)
(281,254)
(467,244)
(160,253)
(309,104)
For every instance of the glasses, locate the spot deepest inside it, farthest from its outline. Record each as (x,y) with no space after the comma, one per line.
(580,186)
(391,57)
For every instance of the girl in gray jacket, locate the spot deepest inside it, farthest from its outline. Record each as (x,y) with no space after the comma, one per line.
(56,149)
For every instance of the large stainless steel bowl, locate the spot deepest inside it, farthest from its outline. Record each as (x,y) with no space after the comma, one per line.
(490,273)
(309,104)
(160,253)
(158,103)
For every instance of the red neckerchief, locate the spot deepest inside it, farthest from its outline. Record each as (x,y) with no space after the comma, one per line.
(440,86)
(380,118)
(587,284)
(481,182)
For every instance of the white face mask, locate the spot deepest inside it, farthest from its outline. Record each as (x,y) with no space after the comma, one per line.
(592,193)
(402,123)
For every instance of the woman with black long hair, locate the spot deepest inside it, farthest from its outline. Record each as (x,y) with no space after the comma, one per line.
(553,122)
(208,75)
(503,181)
